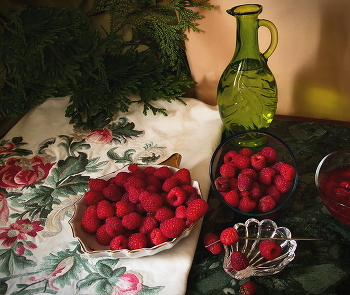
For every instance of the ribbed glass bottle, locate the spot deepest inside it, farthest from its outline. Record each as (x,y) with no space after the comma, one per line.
(247,90)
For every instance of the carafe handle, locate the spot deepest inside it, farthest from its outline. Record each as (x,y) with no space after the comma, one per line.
(274,36)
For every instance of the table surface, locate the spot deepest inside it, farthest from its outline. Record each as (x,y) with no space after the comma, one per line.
(319,267)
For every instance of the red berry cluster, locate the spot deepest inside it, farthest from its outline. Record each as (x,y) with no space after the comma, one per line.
(269,249)
(254,182)
(141,208)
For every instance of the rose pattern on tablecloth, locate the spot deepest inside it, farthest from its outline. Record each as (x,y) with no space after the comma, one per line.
(37,198)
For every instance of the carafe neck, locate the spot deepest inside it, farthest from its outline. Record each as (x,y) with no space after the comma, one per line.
(247,38)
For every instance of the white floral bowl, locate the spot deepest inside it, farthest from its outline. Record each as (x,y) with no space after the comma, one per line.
(258,266)
(92,248)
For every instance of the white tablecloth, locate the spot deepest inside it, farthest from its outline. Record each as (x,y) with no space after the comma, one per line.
(45,163)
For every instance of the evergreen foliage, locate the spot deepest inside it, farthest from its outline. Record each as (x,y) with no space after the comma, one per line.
(53,52)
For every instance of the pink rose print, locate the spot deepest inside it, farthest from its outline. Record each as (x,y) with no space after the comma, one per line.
(4,210)
(100,136)
(63,267)
(17,173)
(19,231)
(128,284)
(7,148)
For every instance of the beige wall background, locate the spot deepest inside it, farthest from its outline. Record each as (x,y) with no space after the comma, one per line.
(311,63)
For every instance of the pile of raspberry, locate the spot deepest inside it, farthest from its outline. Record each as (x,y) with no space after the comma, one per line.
(254,182)
(141,208)
(269,249)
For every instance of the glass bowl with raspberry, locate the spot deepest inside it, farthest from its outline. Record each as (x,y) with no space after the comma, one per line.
(264,249)
(254,181)
(332,180)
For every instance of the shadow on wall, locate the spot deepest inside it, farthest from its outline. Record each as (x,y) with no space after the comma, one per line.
(322,88)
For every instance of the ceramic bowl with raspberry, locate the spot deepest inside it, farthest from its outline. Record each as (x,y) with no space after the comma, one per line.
(332,180)
(137,211)
(255,180)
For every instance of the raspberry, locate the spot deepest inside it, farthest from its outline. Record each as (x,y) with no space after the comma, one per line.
(228,170)
(184,176)
(239,261)
(251,172)
(266,204)
(246,204)
(273,192)
(114,226)
(157,237)
(164,213)
(188,189)
(90,222)
(104,209)
(191,197)
(246,152)
(232,198)
(137,241)
(149,170)
(233,183)
(135,182)
(266,175)
(148,223)
(277,166)
(258,161)
(97,184)
(270,154)
(93,197)
(248,288)
(139,209)
(169,184)
(102,237)
(196,209)
(134,194)
(255,191)
(176,197)
(151,202)
(269,249)
(229,236)
(121,178)
(112,192)
(244,182)
(133,167)
(119,242)
(132,220)
(281,184)
(152,180)
(163,173)
(229,156)
(180,212)
(123,208)
(288,172)
(241,161)
(222,184)
(212,243)
(173,227)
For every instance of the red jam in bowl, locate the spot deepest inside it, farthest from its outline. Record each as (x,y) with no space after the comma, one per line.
(335,193)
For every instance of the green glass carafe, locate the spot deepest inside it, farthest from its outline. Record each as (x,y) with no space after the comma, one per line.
(247,90)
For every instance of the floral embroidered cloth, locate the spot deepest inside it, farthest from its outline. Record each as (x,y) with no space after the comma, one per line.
(45,164)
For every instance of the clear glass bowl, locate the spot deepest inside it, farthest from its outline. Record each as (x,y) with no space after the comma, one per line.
(334,160)
(232,142)
(259,266)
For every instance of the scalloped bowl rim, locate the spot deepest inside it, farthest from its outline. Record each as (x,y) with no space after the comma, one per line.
(255,214)
(285,258)
(85,239)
